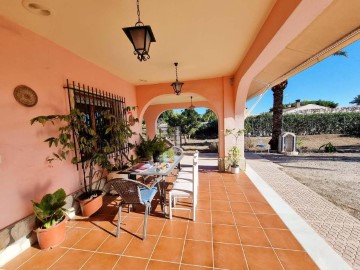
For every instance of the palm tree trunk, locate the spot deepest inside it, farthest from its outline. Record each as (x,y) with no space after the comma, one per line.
(278,92)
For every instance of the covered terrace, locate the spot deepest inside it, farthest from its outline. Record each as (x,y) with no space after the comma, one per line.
(228,52)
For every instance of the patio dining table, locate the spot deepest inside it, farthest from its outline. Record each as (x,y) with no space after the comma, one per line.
(159,170)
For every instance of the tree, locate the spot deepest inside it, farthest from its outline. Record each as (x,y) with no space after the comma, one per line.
(356,100)
(278,93)
(209,116)
(189,122)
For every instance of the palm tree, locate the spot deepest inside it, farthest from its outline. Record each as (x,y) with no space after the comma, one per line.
(356,100)
(278,93)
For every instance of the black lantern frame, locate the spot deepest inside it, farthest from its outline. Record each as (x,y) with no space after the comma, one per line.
(140,37)
(177,85)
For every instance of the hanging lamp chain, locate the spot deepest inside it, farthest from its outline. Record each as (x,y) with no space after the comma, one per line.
(138,13)
(176,64)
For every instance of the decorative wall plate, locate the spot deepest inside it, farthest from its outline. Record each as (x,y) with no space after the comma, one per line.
(25,95)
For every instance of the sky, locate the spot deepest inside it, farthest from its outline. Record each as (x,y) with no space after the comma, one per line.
(336,78)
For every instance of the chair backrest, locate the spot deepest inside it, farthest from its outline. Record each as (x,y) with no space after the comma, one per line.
(129,190)
(196,173)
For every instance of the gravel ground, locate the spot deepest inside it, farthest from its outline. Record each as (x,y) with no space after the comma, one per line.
(335,176)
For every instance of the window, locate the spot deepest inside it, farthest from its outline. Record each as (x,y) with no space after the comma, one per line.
(93,102)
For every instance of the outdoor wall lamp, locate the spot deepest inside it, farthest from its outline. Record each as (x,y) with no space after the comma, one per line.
(141,37)
(177,85)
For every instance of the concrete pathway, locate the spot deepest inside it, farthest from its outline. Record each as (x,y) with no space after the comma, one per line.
(340,230)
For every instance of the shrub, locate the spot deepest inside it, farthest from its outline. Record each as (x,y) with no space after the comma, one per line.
(309,124)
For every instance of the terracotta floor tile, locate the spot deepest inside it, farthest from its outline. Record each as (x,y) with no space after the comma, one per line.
(101,261)
(255,198)
(220,217)
(227,256)
(219,196)
(236,197)
(203,216)
(131,224)
(109,226)
(92,240)
(110,209)
(156,265)
(44,259)
(220,206)
(282,239)
(131,263)
(23,257)
(216,182)
(217,189)
(225,234)
(271,221)
(174,228)
(73,259)
(246,219)
(192,267)
(199,231)
(141,248)
(253,236)
(241,207)
(235,189)
(73,235)
(154,226)
(203,204)
(83,223)
(181,215)
(71,223)
(296,260)
(198,253)
(262,258)
(204,196)
(116,245)
(262,208)
(168,249)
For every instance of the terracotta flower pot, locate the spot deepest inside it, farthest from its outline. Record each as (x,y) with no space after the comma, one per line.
(51,237)
(90,206)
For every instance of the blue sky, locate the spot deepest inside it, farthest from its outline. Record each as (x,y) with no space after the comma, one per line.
(336,78)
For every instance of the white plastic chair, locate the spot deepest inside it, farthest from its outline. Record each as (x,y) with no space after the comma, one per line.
(186,186)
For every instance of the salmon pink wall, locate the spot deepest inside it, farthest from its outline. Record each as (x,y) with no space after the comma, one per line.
(211,89)
(29,59)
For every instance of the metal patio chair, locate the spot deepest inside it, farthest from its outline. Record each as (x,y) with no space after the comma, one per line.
(133,192)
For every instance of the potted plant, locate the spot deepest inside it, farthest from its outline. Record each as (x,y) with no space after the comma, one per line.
(93,150)
(50,219)
(234,153)
(151,148)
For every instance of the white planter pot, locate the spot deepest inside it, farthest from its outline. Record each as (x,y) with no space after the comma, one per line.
(235,169)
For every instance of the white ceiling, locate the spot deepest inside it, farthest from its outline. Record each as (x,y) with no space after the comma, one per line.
(208,38)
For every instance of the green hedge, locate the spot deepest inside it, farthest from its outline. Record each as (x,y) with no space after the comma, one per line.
(322,123)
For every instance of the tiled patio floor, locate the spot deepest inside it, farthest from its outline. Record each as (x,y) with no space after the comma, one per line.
(235,229)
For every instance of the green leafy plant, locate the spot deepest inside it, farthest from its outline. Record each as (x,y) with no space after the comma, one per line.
(328,147)
(49,211)
(234,153)
(149,147)
(75,134)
